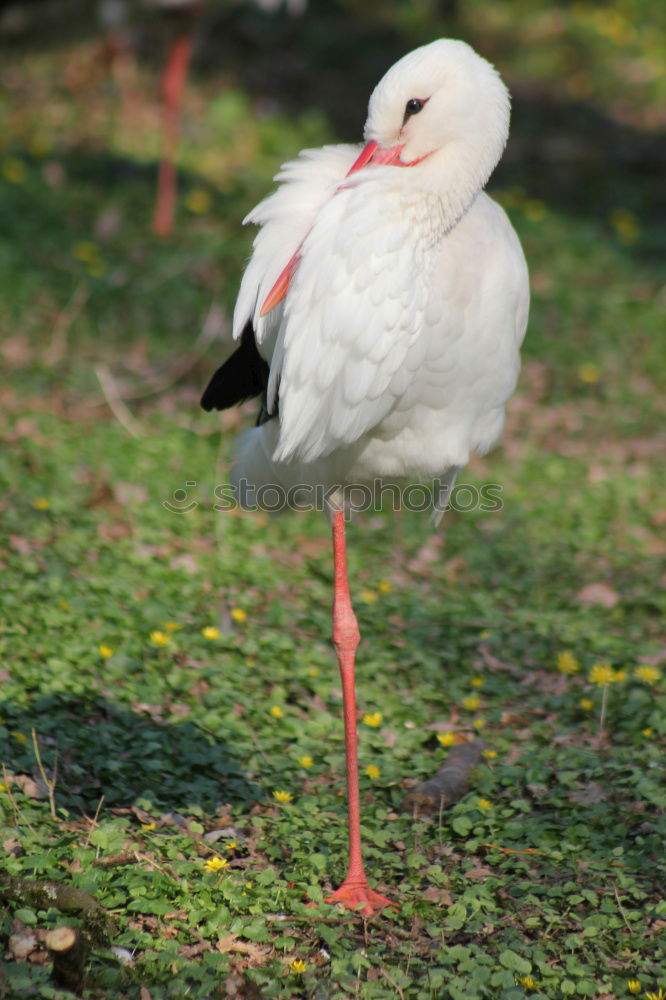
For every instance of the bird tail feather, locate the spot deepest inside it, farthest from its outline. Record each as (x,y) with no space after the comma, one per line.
(440,502)
(275,487)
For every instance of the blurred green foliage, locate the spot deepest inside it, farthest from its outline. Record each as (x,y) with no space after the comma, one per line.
(108,600)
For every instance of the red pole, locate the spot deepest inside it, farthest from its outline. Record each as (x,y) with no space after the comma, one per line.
(173,83)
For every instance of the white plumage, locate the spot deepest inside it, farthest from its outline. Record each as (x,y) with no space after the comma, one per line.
(390,305)
(396,345)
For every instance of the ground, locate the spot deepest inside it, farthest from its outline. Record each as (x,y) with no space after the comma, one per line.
(170,713)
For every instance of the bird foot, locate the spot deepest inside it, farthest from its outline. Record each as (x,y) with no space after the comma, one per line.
(358,896)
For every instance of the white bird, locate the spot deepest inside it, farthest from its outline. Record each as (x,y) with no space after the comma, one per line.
(381,315)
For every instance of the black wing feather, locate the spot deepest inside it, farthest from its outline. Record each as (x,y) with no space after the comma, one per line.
(242,376)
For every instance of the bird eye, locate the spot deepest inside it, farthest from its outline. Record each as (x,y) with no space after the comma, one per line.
(413,106)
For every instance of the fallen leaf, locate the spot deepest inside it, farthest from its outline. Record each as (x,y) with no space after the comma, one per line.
(12,846)
(213,836)
(17,351)
(142,815)
(185,562)
(194,950)
(20,545)
(33,789)
(22,943)
(123,955)
(599,594)
(479,873)
(588,794)
(437,895)
(232,944)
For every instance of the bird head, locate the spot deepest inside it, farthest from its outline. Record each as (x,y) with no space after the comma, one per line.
(440,100)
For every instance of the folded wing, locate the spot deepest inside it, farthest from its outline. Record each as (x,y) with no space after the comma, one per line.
(285,217)
(350,340)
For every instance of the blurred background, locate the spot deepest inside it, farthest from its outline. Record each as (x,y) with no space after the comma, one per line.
(118,272)
(145,647)
(84,278)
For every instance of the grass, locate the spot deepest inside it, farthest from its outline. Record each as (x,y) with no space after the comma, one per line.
(175,668)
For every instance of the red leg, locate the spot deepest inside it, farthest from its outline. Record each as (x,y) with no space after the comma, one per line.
(173,83)
(354,891)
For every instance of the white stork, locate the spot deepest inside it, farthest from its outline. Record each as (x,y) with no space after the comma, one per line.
(381,316)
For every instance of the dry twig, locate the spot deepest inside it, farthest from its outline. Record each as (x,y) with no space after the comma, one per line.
(115,403)
(49,782)
(449,783)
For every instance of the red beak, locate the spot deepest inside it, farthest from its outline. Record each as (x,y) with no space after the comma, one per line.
(281,286)
(371,154)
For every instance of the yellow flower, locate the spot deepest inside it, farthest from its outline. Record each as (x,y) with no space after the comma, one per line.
(19,737)
(305,761)
(313,672)
(648,732)
(39,146)
(659,995)
(446,739)
(477,682)
(41,503)
(648,674)
(238,615)
(276,711)
(586,704)
(171,626)
(210,632)
(634,985)
(588,373)
(283,796)
(625,225)
(231,846)
(3,786)
(535,210)
(601,674)
(527,982)
(373,719)
(490,754)
(620,675)
(567,663)
(97,268)
(84,250)
(484,635)
(14,170)
(372,772)
(484,804)
(160,638)
(479,723)
(148,826)
(105,651)
(471,702)
(215,864)
(384,587)
(65,606)
(368,596)
(298,966)
(198,201)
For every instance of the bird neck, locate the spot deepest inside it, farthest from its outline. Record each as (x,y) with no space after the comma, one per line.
(455,174)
